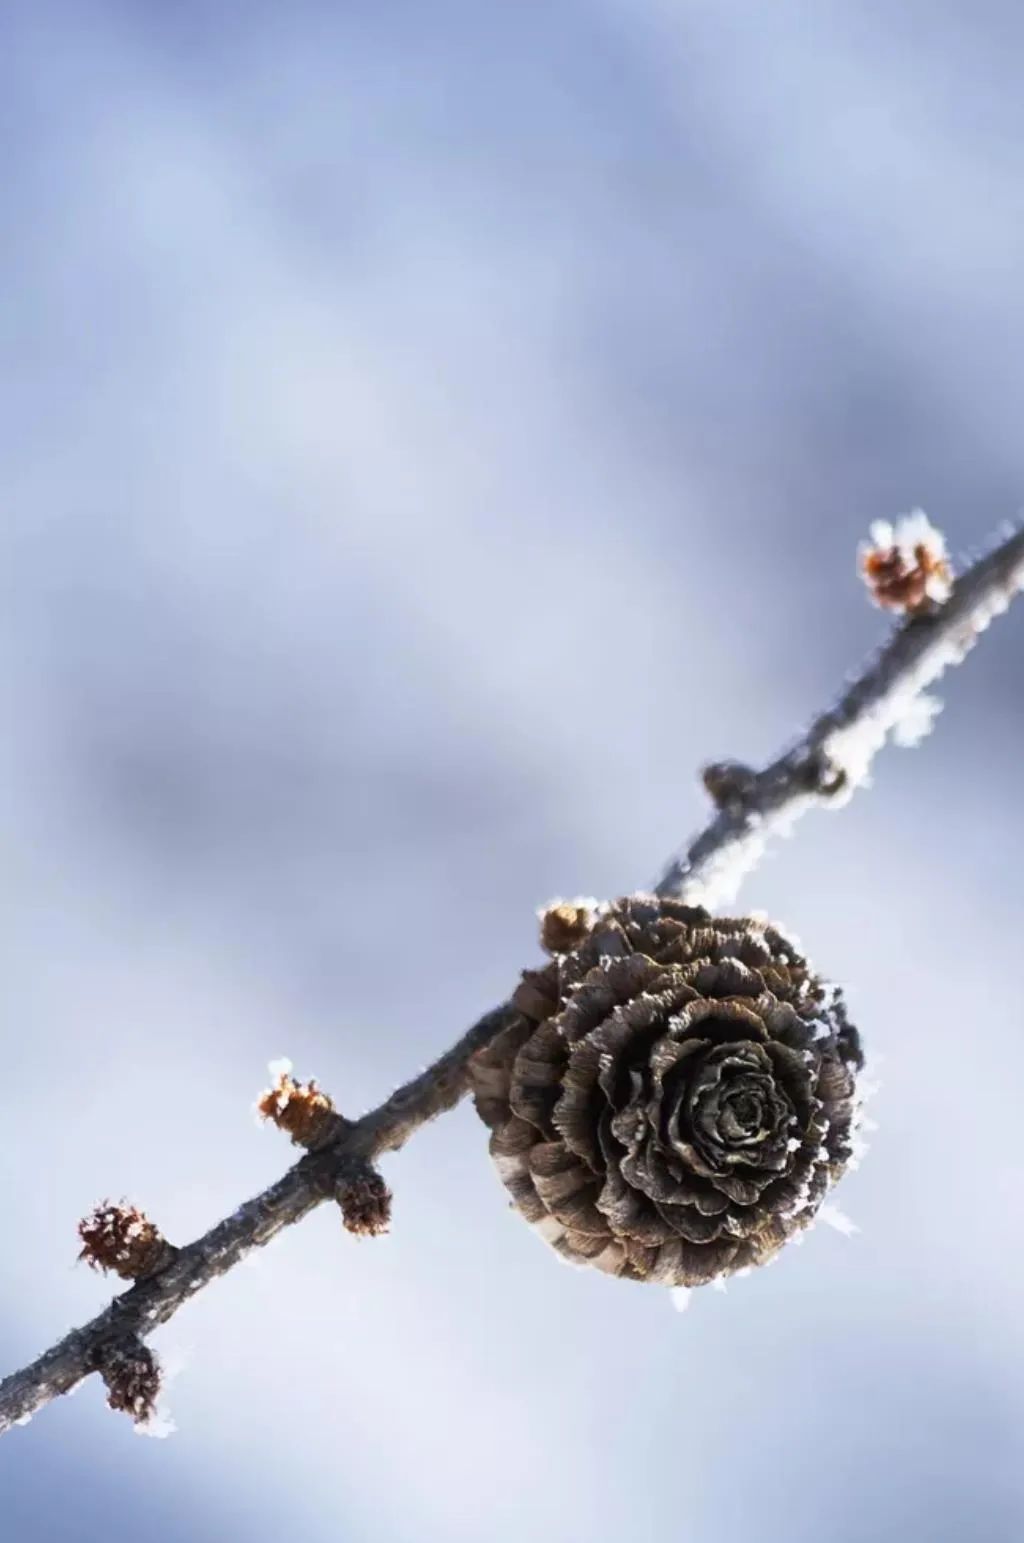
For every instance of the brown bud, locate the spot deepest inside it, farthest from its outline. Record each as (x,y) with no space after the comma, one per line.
(675,1097)
(121,1238)
(564,924)
(131,1374)
(301,1109)
(906,569)
(365,1202)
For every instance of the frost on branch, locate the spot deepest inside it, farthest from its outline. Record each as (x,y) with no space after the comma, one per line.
(906,567)
(906,716)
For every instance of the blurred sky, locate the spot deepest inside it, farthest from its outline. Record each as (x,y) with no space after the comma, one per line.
(428,432)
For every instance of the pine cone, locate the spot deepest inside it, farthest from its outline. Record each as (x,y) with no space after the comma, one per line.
(675,1095)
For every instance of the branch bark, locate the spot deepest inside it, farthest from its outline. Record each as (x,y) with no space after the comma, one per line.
(824,767)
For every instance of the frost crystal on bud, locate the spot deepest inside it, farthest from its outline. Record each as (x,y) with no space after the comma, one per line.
(675,1097)
(906,568)
(300,1108)
(123,1239)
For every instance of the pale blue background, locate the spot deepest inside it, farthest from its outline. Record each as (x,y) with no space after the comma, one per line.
(428,431)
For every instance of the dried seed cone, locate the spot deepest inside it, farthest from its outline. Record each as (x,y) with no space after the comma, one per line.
(675,1096)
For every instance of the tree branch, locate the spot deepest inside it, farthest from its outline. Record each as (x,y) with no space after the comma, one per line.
(833,758)
(824,767)
(312,1180)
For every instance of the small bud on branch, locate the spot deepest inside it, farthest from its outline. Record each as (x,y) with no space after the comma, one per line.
(365,1202)
(906,568)
(131,1375)
(565,923)
(122,1239)
(302,1110)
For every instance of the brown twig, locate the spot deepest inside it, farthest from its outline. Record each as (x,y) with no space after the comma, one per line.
(823,767)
